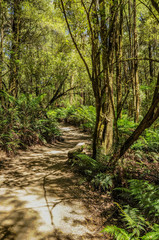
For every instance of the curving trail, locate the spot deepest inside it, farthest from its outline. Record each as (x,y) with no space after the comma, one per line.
(41,199)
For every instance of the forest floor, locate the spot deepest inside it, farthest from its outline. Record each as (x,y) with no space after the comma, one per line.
(41,198)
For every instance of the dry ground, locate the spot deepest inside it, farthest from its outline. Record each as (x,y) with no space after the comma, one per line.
(41,198)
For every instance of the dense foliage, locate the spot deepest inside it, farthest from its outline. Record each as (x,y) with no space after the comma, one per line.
(25,123)
(92,64)
(141,221)
(85,116)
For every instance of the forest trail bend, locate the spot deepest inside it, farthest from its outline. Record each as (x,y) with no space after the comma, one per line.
(40,197)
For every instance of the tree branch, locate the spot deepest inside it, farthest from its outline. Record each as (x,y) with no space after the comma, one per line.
(54,98)
(88,18)
(74,42)
(155,5)
(121,106)
(150,10)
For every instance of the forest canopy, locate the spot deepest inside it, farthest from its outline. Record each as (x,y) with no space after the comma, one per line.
(95,53)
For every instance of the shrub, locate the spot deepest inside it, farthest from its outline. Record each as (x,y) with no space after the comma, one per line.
(47,129)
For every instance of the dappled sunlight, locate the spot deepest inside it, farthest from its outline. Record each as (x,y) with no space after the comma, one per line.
(56,152)
(75,221)
(40,197)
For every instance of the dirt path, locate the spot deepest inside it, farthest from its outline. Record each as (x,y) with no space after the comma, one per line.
(41,199)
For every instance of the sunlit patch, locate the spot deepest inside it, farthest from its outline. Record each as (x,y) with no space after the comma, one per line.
(72,217)
(38,197)
(2,178)
(54,152)
(66,129)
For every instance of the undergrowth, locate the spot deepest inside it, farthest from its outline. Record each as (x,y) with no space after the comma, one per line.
(24,123)
(136,206)
(83,116)
(140,216)
(148,141)
(93,170)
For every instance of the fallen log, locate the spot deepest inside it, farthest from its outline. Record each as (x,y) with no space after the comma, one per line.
(76,150)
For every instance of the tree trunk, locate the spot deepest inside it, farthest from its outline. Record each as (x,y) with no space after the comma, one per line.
(136,78)
(1,48)
(97,130)
(150,61)
(14,58)
(118,48)
(71,92)
(105,102)
(131,62)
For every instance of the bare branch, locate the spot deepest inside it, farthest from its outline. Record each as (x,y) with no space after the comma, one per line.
(54,98)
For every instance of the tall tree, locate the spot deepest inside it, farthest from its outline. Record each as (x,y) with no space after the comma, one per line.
(118,48)
(1,45)
(102,39)
(136,77)
(15,47)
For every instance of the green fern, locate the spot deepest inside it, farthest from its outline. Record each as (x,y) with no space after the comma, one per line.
(102,181)
(154,235)
(85,163)
(137,225)
(135,221)
(147,195)
(118,233)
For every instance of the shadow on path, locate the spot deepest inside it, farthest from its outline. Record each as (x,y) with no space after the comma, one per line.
(40,197)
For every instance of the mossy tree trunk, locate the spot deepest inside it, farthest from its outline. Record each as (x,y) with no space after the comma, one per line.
(118,52)
(105,113)
(102,39)
(1,48)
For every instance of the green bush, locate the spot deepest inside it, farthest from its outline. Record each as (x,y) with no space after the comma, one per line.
(126,126)
(147,196)
(93,170)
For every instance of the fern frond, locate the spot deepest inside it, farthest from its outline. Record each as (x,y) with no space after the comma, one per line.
(147,195)
(151,235)
(118,233)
